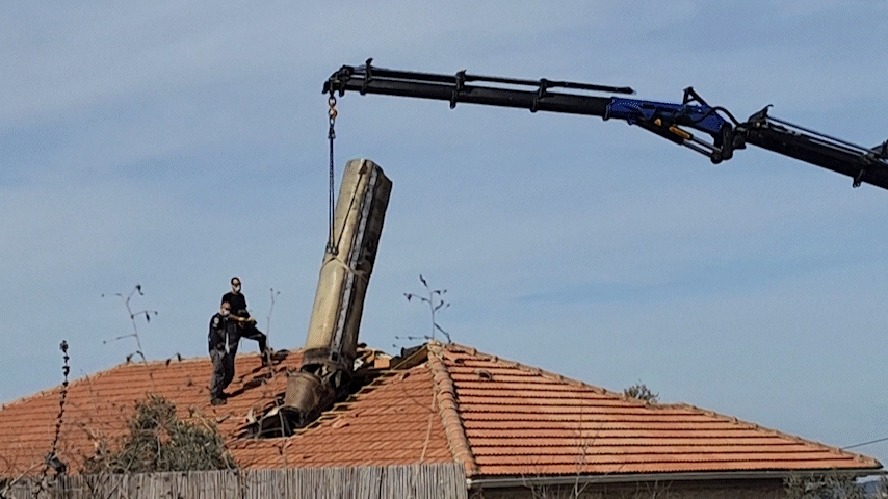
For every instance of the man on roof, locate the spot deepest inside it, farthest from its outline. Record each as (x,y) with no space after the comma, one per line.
(246,323)
(222,340)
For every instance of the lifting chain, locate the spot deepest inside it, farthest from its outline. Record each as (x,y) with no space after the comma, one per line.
(332,112)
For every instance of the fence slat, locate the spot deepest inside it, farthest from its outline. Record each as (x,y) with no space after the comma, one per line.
(372,482)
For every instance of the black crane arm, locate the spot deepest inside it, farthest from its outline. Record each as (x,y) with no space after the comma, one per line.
(861,164)
(368,79)
(668,120)
(664,119)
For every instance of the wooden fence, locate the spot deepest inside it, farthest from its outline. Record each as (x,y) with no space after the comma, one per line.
(418,482)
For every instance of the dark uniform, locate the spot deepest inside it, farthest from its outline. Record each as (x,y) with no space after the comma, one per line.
(222,341)
(247,328)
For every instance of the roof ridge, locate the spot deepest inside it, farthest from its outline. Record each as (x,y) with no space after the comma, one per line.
(85,378)
(89,377)
(448,409)
(26,398)
(548,374)
(180,359)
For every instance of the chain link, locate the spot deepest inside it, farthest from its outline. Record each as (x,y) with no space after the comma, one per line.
(332,113)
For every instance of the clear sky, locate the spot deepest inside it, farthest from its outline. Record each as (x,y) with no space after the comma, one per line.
(176,145)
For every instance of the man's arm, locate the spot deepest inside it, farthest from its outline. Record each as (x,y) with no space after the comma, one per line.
(217,331)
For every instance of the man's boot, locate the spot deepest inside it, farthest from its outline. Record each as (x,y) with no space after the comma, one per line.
(267,355)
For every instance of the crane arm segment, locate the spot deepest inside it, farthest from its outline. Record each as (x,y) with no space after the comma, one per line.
(671,121)
(663,119)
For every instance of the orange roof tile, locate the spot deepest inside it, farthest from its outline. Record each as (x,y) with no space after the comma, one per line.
(522,421)
(496,417)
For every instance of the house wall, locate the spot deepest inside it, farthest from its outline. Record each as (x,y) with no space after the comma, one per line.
(703,489)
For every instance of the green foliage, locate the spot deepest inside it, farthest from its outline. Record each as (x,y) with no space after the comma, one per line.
(642,392)
(158,441)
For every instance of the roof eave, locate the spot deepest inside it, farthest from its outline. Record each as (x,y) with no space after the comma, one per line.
(512,481)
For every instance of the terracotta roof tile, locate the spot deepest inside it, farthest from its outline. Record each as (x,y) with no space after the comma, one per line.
(497,417)
(520,421)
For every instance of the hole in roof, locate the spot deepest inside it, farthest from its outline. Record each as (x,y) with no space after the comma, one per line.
(281,419)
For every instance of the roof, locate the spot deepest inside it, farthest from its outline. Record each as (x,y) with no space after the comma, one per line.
(451,403)
(521,421)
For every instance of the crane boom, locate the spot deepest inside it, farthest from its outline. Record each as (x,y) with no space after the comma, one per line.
(367,79)
(668,120)
(846,158)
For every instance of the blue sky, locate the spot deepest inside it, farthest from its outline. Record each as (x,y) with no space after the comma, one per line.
(177,145)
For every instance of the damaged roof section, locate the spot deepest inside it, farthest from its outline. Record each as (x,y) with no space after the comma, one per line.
(445,403)
(276,419)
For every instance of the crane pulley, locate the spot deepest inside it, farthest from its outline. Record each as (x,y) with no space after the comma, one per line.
(672,121)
